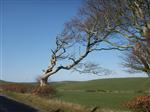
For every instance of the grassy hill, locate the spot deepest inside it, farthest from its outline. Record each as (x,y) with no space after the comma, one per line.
(119,84)
(106,93)
(1,81)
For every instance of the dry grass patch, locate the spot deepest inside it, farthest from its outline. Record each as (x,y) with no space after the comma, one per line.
(44,104)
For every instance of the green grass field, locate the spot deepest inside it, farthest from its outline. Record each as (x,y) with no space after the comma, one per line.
(105,93)
(119,84)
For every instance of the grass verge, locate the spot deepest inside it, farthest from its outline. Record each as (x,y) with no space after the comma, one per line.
(44,104)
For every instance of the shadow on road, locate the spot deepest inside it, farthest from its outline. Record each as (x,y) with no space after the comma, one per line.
(9,105)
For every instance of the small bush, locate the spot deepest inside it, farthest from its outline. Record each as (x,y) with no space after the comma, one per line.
(14,87)
(22,88)
(44,91)
(139,104)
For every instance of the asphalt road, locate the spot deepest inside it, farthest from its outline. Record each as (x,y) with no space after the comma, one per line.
(9,105)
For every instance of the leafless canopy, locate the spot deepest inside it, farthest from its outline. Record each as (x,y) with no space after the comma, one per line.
(99,25)
(137,29)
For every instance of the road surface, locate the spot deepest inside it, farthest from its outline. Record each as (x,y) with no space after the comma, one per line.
(9,105)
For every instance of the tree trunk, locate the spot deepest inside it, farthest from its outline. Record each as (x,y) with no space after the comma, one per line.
(148,73)
(43,81)
(146,32)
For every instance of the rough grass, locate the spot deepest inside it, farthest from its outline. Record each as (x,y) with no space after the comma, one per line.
(107,94)
(47,105)
(104,100)
(53,105)
(119,84)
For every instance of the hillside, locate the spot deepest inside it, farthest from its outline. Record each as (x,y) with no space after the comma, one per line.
(107,93)
(120,84)
(1,81)
(104,93)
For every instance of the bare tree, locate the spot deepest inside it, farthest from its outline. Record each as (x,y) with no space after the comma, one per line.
(132,21)
(137,30)
(92,30)
(138,59)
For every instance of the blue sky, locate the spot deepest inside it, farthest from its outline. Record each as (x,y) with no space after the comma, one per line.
(28,31)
